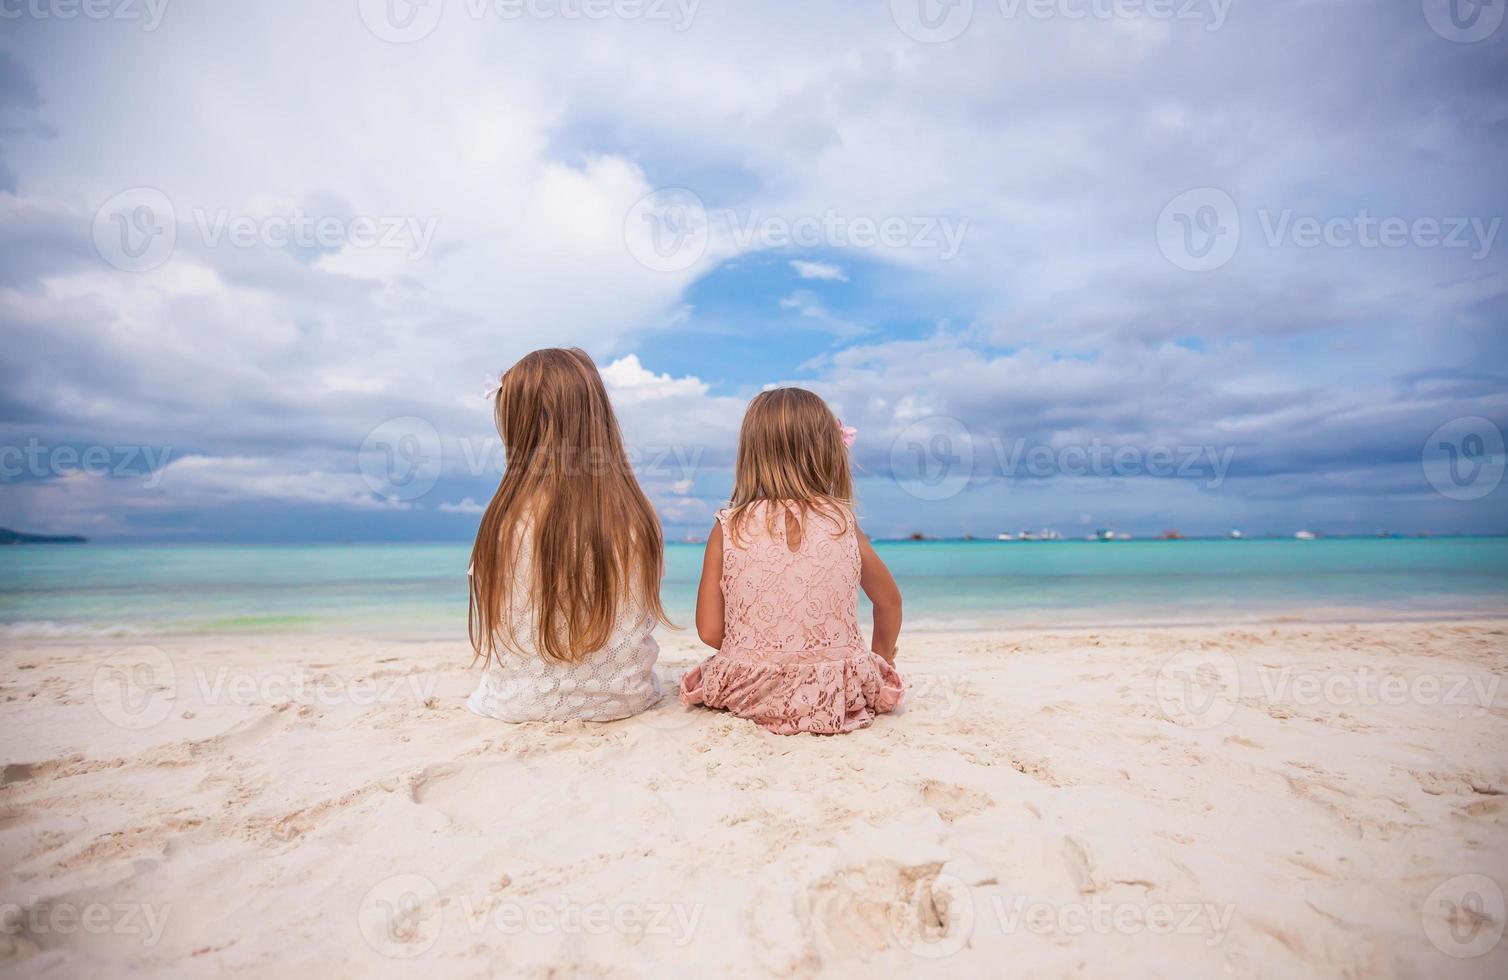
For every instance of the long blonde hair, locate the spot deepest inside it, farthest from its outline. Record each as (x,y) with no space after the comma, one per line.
(596,541)
(790,448)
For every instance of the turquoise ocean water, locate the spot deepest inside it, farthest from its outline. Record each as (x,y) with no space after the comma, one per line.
(419,591)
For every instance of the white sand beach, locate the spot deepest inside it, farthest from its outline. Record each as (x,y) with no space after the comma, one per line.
(1285,799)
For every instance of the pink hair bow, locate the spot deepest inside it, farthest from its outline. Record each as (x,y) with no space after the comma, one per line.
(493,386)
(848,432)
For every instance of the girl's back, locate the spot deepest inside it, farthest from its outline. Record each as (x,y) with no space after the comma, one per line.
(792,658)
(566,567)
(790,592)
(524,684)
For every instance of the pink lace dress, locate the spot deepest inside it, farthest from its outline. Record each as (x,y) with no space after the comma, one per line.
(793,659)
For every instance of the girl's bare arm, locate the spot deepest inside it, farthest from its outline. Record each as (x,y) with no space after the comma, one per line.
(709,594)
(877,582)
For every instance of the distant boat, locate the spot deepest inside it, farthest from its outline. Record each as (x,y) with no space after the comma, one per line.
(1172,534)
(1028,536)
(1005,537)
(918,536)
(1306,535)
(1235,535)
(1104,534)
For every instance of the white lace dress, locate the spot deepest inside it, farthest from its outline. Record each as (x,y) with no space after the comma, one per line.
(613,682)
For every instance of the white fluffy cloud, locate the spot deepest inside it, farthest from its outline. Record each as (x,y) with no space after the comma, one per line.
(1026,163)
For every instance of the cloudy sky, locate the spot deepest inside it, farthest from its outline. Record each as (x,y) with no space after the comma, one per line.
(1065,263)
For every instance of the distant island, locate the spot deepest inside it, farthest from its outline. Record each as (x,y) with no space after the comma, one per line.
(7,536)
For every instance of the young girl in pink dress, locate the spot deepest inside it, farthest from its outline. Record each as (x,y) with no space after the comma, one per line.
(779,591)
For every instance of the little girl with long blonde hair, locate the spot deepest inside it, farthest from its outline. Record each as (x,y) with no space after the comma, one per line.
(780,582)
(565,572)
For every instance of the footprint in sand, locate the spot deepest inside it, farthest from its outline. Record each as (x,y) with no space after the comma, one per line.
(952,801)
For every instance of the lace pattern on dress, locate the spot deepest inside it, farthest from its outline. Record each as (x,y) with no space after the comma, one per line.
(613,682)
(793,658)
